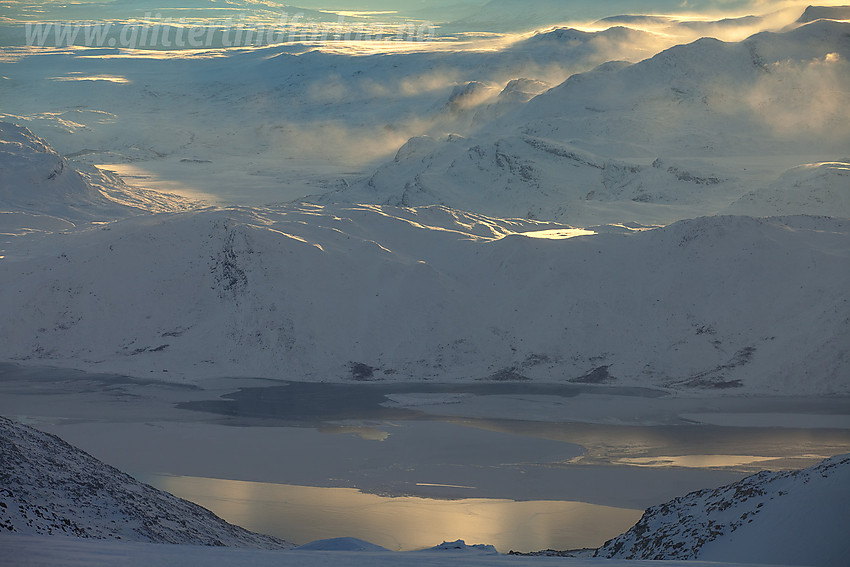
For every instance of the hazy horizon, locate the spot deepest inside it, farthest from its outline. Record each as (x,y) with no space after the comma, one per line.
(451,9)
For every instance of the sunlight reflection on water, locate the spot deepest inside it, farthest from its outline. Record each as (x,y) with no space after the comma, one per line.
(301,514)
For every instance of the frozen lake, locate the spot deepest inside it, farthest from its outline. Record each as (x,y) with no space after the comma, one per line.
(408,465)
(401,523)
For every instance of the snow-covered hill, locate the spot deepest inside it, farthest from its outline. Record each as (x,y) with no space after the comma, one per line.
(48,487)
(793,517)
(37,181)
(813,189)
(682,134)
(517,15)
(368,292)
(813,13)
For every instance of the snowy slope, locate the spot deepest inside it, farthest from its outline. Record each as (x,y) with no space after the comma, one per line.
(684,133)
(37,181)
(814,189)
(366,292)
(793,517)
(48,487)
(59,552)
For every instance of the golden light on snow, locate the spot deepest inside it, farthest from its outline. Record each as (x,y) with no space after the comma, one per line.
(694,461)
(301,514)
(102,78)
(558,233)
(360,13)
(138,175)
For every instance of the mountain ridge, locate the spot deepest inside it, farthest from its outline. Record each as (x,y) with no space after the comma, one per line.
(310,292)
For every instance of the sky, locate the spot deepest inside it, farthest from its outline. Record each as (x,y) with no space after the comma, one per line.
(413,6)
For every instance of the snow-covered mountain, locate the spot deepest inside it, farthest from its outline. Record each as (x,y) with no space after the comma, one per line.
(369,292)
(514,15)
(275,123)
(48,487)
(814,189)
(35,181)
(684,133)
(813,13)
(387,291)
(789,518)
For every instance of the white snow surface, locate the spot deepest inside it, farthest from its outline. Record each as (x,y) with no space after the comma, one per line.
(33,551)
(794,517)
(411,287)
(814,189)
(379,292)
(48,487)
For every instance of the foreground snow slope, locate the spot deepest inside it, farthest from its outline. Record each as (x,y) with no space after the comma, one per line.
(368,292)
(48,487)
(53,552)
(794,517)
(684,133)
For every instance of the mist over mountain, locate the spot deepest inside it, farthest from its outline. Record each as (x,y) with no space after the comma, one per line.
(651,142)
